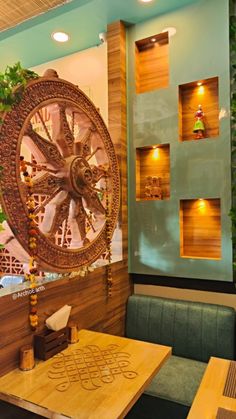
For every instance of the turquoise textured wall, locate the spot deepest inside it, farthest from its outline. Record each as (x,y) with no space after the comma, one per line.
(199,169)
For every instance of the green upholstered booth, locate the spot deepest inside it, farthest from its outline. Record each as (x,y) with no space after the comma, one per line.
(196,331)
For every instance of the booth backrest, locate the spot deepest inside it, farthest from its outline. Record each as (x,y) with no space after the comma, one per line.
(194,330)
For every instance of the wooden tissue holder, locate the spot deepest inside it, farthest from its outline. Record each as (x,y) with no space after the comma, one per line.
(49,343)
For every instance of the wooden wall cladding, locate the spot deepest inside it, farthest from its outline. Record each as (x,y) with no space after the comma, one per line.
(91,308)
(152,63)
(117,117)
(190,96)
(200,228)
(153,161)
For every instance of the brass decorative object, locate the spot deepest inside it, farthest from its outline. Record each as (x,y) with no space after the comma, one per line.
(27,358)
(153,187)
(72,333)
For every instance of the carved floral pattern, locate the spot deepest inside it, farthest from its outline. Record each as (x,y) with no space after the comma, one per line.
(16,124)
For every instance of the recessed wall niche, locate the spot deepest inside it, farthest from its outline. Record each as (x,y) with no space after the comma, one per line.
(153,172)
(200,228)
(152,63)
(191,95)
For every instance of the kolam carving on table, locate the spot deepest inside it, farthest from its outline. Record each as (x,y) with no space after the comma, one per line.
(91,366)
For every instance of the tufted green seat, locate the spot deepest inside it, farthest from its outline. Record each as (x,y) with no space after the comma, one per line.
(178,380)
(196,331)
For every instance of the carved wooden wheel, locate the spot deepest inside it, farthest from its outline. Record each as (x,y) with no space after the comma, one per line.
(73,165)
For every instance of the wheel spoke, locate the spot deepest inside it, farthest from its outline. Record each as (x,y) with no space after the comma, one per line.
(92,154)
(82,145)
(80,217)
(44,126)
(99,172)
(46,184)
(43,150)
(60,209)
(46,202)
(64,138)
(38,167)
(92,201)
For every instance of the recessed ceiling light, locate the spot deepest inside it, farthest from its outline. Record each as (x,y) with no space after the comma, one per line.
(145,1)
(60,36)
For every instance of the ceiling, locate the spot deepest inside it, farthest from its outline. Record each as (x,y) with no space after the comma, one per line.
(17,11)
(30,42)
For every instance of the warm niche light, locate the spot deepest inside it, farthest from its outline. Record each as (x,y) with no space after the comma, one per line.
(202,205)
(60,36)
(156,153)
(201,89)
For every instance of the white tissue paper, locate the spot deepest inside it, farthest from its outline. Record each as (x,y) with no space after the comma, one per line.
(59,319)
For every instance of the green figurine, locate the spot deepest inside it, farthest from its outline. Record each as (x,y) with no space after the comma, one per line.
(199,127)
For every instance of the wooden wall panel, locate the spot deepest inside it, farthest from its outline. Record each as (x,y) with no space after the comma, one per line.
(152,63)
(91,308)
(117,117)
(153,162)
(200,228)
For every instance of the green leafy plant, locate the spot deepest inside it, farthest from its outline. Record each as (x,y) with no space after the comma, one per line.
(13,77)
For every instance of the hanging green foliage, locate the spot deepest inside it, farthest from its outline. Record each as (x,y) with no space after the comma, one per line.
(13,77)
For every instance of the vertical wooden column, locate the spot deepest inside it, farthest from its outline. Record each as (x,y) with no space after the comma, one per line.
(117,114)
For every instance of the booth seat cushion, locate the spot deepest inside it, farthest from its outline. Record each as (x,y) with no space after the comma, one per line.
(178,380)
(194,330)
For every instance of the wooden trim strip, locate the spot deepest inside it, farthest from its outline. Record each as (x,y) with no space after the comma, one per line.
(230,384)
(185,283)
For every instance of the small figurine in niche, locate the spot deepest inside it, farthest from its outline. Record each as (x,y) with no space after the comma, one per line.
(156,191)
(199,127)
(153,187)
(148,186)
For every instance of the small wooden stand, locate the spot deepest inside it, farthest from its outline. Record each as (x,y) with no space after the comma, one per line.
(72,333)
(26,358)
(49,343)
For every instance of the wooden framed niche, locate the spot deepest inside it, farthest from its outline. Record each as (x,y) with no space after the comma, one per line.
(152,63)
(191,95)
(153,172)
(200,228)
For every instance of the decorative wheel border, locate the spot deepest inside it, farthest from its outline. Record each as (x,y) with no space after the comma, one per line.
(37,93)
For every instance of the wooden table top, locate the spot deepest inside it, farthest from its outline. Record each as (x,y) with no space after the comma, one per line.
(209,397)
(100,377)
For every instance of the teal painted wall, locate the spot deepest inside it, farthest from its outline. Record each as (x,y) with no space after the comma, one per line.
(83,20)
(199,169)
